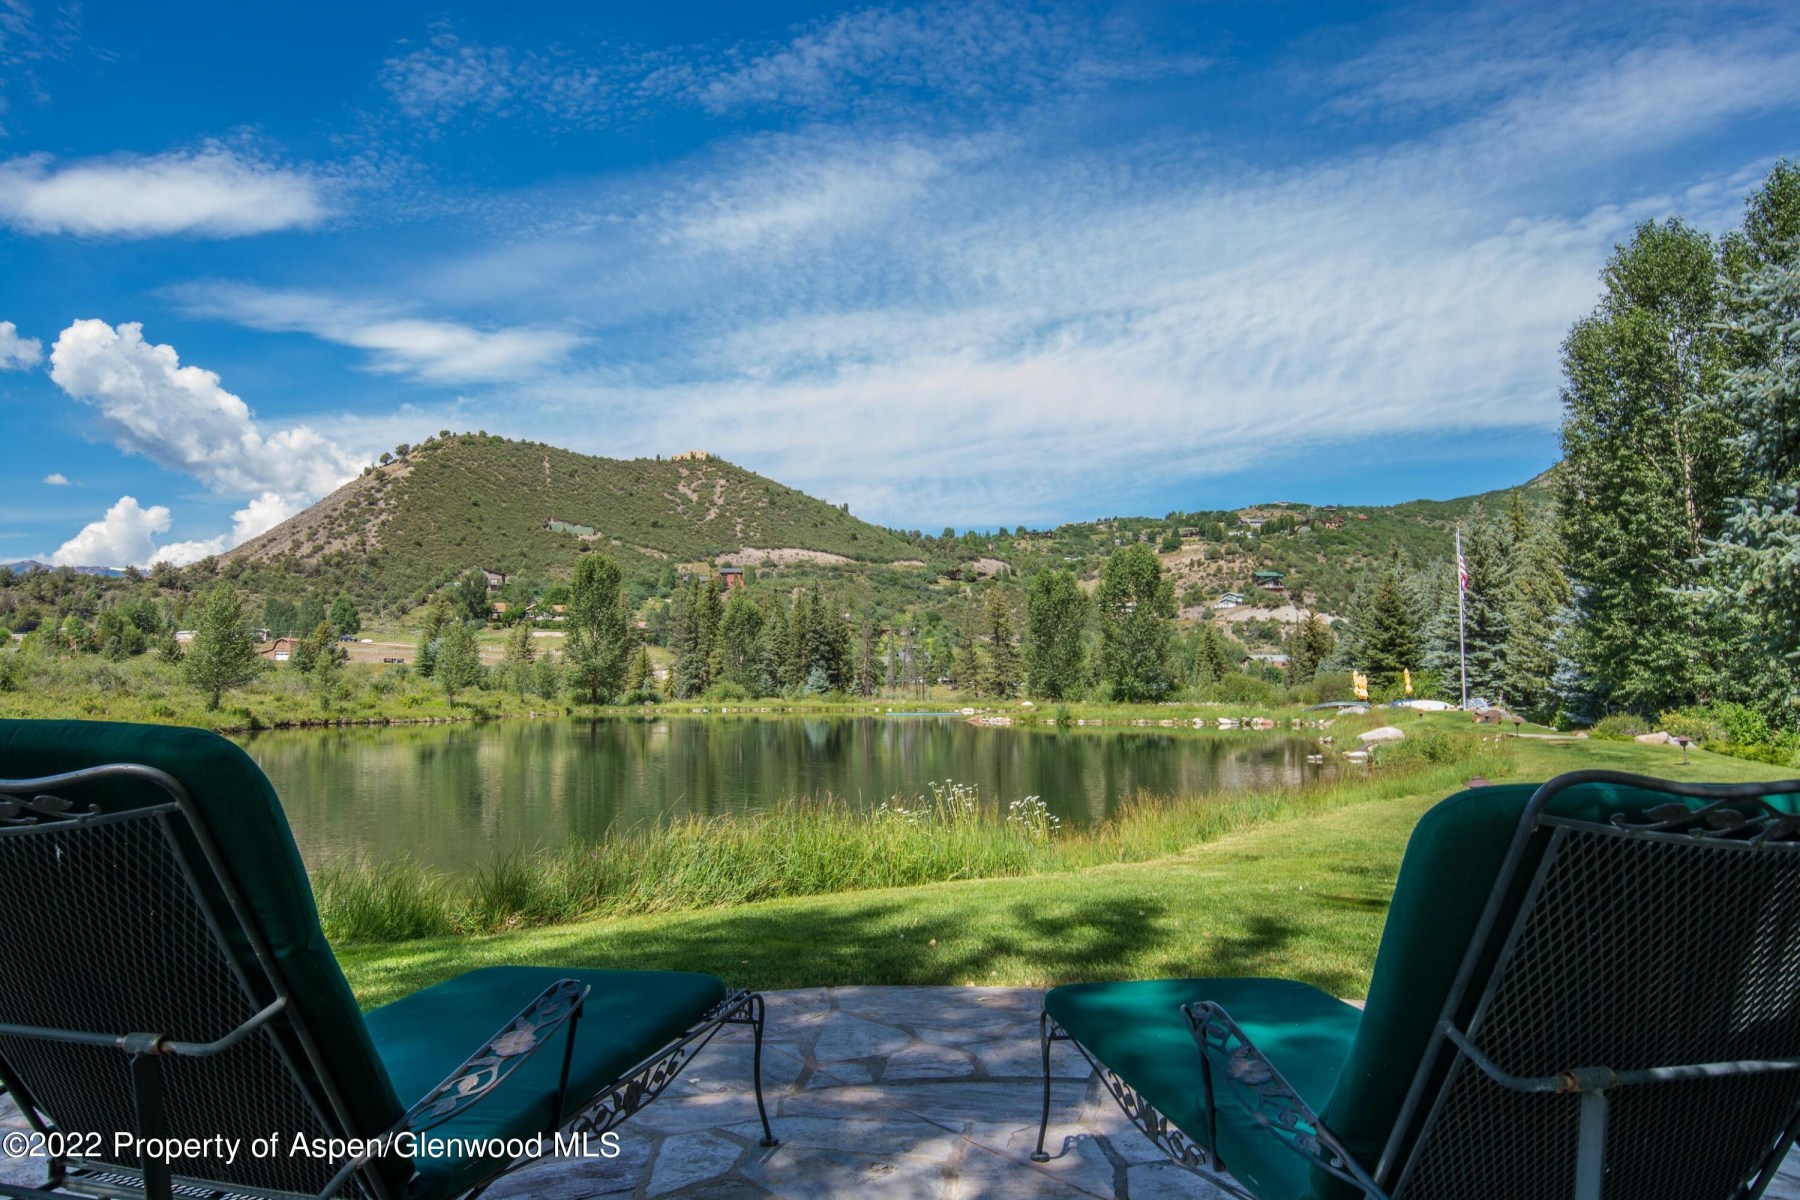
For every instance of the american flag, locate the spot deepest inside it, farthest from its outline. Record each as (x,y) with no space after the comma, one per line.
(1462,572)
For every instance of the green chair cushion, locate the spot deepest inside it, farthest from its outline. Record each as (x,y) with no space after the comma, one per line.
(1452,863)
(238,806)
(1139,1031)
(424,1037)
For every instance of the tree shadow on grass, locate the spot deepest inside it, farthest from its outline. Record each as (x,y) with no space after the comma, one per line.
(874,941)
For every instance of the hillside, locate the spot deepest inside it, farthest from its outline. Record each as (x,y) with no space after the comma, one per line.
(523,508)
(459,502)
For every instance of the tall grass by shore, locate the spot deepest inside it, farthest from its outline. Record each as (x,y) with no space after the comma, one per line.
(805,847)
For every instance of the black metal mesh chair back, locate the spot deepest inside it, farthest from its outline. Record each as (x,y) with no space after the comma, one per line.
(109,933)
(1630,950)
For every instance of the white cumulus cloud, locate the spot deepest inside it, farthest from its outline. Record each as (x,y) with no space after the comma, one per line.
(183,419)
(125,536)
(17,353)
(213,192)
(57,479)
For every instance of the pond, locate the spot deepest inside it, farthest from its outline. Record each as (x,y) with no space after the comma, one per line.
(460,796)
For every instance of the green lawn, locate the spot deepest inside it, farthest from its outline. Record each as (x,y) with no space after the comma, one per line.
(1302,897)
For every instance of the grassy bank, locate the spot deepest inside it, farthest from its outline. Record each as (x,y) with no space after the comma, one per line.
(1301,893)
(812,848)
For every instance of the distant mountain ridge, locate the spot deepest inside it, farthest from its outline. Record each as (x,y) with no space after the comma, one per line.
(528,510)
(32,564)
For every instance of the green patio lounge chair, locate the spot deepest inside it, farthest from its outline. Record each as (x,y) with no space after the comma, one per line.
(163,975)
(1587,989)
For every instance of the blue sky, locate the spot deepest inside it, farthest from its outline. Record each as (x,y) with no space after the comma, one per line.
(952,264)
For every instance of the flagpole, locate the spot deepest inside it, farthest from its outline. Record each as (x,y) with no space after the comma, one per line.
(1462,644)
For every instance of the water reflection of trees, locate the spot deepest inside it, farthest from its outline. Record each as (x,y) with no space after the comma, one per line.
(457,795)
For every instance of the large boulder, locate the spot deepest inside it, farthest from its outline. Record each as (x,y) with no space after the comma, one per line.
(1387,733)
(1659,738)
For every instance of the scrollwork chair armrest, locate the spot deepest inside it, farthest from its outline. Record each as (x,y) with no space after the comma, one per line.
(1259,1088)
(501,1055)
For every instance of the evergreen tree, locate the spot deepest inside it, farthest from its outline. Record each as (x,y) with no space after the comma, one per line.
(1646,471)
(1212,660)
(1003,672)
(1135,601)
(772,652)
(431,629)
(797,665)
(640,675)
(1056,615)
(866,679)
(1308,649)
(222,655)
(1484,605)
(1537,592)
(320,657)
(516,665)
(458,659)
(1391,643)
(1754,565)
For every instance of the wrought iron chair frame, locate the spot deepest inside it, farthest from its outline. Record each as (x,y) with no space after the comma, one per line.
(1255,1083)
(30,806)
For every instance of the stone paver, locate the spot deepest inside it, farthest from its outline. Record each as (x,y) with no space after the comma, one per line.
(876,1092)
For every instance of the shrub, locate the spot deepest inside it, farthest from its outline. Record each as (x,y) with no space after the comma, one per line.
(1620,727)
(1235,688)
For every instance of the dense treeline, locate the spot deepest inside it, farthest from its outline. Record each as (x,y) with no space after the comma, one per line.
(1664,585)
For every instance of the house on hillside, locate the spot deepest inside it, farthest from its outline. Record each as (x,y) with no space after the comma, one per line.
(1269,581)
(501,608)
(495,579)
(1229,600)
(733,577)
(1265,660)
(281,649)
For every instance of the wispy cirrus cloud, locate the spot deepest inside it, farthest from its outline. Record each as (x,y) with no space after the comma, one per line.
(851,307)
(397,343)
(948,57)
(213,192)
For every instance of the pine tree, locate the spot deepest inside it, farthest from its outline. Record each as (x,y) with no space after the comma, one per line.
(1754,566)
(797,665)
(1308,649)
(1056,615)
(1391,643)
(772,652)
(1484,605)
(640,675)
(1537,591)
(458,660)
(866,678)
(222,655)
(1003,671)
(1212,661)
(321,658)
(516,665)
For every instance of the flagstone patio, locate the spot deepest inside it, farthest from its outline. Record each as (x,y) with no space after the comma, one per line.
(876,1092)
